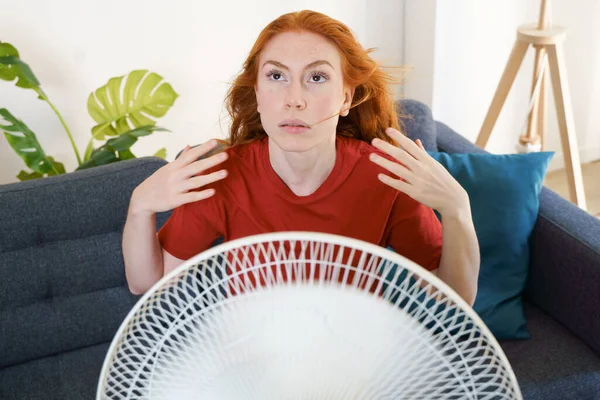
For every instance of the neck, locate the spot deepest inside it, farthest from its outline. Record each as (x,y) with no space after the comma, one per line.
(303,172)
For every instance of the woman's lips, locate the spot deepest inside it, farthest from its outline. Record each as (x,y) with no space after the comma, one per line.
(294,129)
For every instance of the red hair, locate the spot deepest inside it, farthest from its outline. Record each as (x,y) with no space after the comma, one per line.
(372,109)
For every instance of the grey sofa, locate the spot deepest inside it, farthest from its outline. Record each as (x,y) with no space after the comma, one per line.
(63,292)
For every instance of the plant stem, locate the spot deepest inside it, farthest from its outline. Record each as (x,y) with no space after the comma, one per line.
(64,124)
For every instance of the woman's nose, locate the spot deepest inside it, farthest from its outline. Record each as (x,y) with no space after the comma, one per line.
(295,104)
(295,97)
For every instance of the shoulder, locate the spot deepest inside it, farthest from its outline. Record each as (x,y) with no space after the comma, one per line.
(358,152)
(251,148)
(243,157)
(365,172)
(362,174)
(243,166)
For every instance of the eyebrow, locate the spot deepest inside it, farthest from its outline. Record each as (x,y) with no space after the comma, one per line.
(311,65)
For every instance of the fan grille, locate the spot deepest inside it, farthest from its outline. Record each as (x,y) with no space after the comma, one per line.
(303,315)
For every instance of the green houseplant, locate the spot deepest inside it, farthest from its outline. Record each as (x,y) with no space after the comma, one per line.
(124,109)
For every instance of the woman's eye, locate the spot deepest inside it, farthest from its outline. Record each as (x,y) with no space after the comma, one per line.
(275,75)
(319,77)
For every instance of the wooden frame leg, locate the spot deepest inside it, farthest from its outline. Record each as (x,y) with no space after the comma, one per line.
(566,124)
(542,108)
(532,136)
(508,77)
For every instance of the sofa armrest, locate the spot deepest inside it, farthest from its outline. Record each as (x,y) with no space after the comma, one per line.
(564,275)
(564,270)
(449,141)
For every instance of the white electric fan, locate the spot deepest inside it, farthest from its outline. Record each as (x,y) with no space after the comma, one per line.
(299,315)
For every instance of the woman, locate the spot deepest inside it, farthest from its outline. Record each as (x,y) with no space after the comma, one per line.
(314,146)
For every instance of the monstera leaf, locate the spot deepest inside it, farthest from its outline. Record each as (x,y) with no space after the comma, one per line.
(143,98)
(58,169)
(25,144)
(12,67)
(119,148)
(162,153)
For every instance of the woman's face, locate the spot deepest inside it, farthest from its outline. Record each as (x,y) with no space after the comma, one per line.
(300,78)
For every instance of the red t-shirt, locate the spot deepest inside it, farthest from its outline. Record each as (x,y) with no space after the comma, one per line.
(351,202)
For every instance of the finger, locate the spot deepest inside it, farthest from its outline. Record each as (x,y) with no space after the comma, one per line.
(405,142)
(202,165)
(203,180)
(194,153)
(197,196)
(397,184)
(398,153)
(420,144)
(395,168)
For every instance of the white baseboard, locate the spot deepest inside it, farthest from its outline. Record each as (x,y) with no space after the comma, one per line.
(586,155)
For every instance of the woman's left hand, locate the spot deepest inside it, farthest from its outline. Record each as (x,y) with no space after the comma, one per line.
(421,176)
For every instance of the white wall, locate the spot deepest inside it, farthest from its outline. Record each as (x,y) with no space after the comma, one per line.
(75,46)
(419,49)
(457,50)
(473,40)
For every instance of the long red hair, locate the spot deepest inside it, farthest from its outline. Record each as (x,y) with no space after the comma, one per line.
(372,109)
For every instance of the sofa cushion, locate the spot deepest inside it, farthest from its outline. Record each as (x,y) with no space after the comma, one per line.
(70,375)
(503,192)
(62,279)
(553,364)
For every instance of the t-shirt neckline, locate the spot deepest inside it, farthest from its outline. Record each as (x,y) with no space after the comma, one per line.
(282,189)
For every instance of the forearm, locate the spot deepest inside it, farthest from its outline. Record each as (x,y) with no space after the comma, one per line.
(459,264)
(142,252)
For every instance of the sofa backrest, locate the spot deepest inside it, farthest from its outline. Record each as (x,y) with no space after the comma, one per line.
(416,121)
(62,279)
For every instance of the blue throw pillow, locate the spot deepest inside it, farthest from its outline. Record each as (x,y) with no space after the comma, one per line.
(504,194)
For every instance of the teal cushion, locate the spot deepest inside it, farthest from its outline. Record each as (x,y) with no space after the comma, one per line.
(504,194)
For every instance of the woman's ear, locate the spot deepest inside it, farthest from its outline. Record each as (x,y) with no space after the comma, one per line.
(348,96)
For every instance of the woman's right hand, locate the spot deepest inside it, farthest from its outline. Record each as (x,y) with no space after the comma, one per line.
(175,184)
